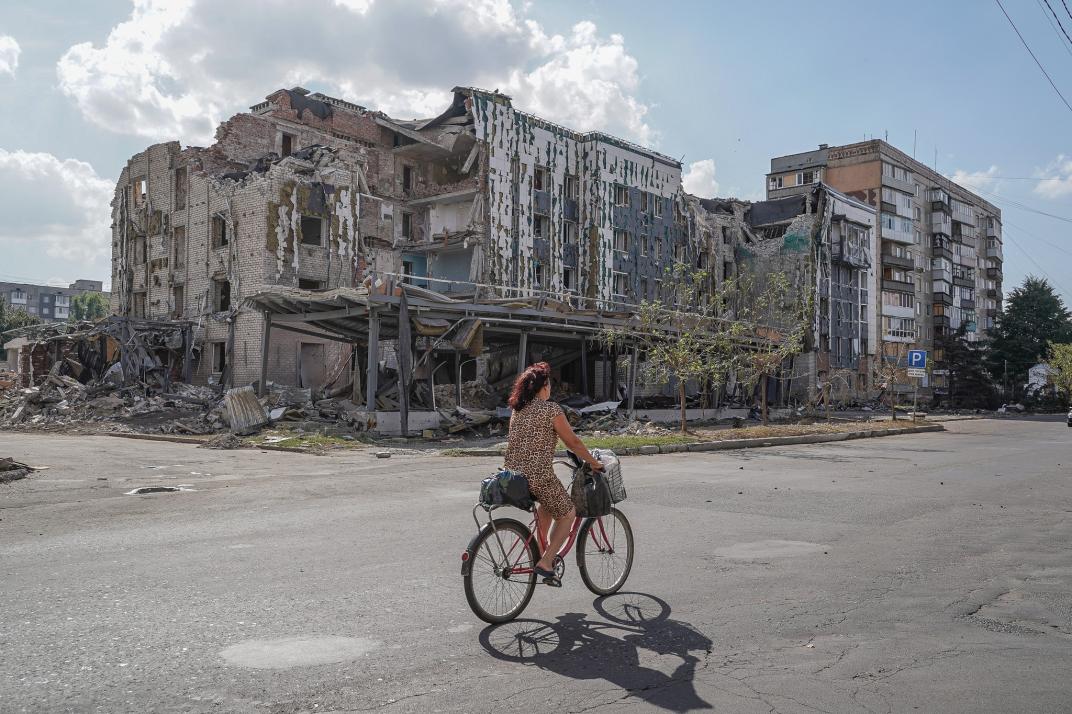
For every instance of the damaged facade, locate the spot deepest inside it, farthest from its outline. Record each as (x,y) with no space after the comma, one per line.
(483,203)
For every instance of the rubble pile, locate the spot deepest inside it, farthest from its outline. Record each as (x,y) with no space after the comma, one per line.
(11,470)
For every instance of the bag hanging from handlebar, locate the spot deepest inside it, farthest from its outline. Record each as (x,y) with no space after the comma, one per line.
(590,494)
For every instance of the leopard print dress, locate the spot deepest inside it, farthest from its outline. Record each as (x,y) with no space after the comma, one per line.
(531,449)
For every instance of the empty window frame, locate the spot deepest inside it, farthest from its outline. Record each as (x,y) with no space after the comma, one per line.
(621,240)
(312,228)
(219,357)
(541,179)
(139,250)
(407,225)
(139,304)
(569,232)
(775,182)
(407,178)
(541,226)
(178,247)
(141,191)
(286,144)
(645,201)
(569,279)
(572,187)
(221,295)
(180,187)
(537,276)
(307,284)
(220,237)
(621,195)
(657,205)
(178,305)
(621,285)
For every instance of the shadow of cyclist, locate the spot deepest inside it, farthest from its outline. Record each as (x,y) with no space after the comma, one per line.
(580,648)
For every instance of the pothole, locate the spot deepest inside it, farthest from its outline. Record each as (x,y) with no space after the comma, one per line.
(156,489)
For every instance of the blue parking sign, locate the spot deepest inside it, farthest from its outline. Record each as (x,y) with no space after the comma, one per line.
(917,359)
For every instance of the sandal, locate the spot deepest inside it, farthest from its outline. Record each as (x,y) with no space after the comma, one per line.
(549,577)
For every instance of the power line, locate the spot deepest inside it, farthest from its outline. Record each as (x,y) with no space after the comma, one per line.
(1058,21)
(1041,240)
(1062,40)
(1067,11)
(1014,203)
(1028,48)
(1034,262)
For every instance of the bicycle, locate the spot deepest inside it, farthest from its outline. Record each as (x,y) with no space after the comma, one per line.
(498,564)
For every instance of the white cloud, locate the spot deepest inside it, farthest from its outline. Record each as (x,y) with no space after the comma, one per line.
(971,180)
(9,55)
(699,179)
(57,206)
(1058,178)
(175,69)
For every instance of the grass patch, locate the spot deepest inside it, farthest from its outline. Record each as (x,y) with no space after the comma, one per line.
(629,441)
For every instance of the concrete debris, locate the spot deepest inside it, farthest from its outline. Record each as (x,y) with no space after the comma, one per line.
(11,470)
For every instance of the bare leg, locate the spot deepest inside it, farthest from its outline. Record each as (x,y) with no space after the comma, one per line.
(560,531)
(543,524)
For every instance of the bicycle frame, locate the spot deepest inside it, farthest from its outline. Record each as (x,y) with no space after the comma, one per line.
(599,538)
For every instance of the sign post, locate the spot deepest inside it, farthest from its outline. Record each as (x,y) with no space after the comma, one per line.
(917,368)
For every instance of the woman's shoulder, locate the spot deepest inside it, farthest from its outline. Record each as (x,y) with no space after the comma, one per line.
(550,408)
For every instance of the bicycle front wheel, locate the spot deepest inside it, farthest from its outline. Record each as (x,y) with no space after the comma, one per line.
(605,552)
(496,590)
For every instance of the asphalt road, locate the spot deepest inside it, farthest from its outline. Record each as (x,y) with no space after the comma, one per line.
(921,573)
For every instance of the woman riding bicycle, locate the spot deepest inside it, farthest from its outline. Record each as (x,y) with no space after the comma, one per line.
(535,428)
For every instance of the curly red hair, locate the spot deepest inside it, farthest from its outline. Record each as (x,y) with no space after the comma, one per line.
(528,384)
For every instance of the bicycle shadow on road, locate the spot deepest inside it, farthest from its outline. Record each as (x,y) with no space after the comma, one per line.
(581,648)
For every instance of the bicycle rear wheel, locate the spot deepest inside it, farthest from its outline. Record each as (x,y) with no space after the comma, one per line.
(605,552)
(495,591)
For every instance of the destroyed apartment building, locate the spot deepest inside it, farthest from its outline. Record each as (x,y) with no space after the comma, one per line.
(324,245)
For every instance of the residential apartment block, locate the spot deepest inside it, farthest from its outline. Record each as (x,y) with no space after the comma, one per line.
(48,302)
(940,244)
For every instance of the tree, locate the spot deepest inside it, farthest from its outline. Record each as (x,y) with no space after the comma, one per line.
(890,370)
(779,319)
(695,339)
(1033,317)
(1061,362)
(11,318)
(969,382)
(88,306)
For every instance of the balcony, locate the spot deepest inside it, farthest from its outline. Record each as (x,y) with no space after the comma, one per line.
(905,336)
(898,286)
(897,236)
(992,312)
(939,274)
(899,261)
(943,299)
(967,304)
(905,186)
(888,207)
(993,230)
(941,224)
(941,250)
(993,292)
(994,251)
(993,273)
(941,321)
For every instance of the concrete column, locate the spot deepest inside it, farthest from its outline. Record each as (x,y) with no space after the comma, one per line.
(522,352)
(372,381)
(266,340)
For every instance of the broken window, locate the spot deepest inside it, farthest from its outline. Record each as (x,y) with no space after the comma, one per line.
(306,284)
(311,230)
(645,201)
(621,240)
(139,304)
(407,225)
(178,242)
(180,187)
(621,284)
(541,179)
(621,195)
(221,295)
(679,253)
(219,357)
(643,289)
(286,147)
(568,280)
(541,227)
(537,276)
(805,177)
(407,178)
(658,205)
(727,270)
(775,182)
(141,191)
(219,232)
(178,304)
(139,250)
(571,187)
(569,232)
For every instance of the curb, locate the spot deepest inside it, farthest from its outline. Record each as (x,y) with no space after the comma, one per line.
(730,444)
(154,437)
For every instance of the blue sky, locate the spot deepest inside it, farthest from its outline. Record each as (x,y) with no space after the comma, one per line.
(727,84)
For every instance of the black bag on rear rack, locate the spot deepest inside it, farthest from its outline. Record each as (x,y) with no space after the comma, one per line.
(590,494)
(506,488)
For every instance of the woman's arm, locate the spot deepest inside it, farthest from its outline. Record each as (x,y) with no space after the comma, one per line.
(573,442)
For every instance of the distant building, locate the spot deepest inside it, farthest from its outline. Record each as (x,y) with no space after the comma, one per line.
(48,302)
